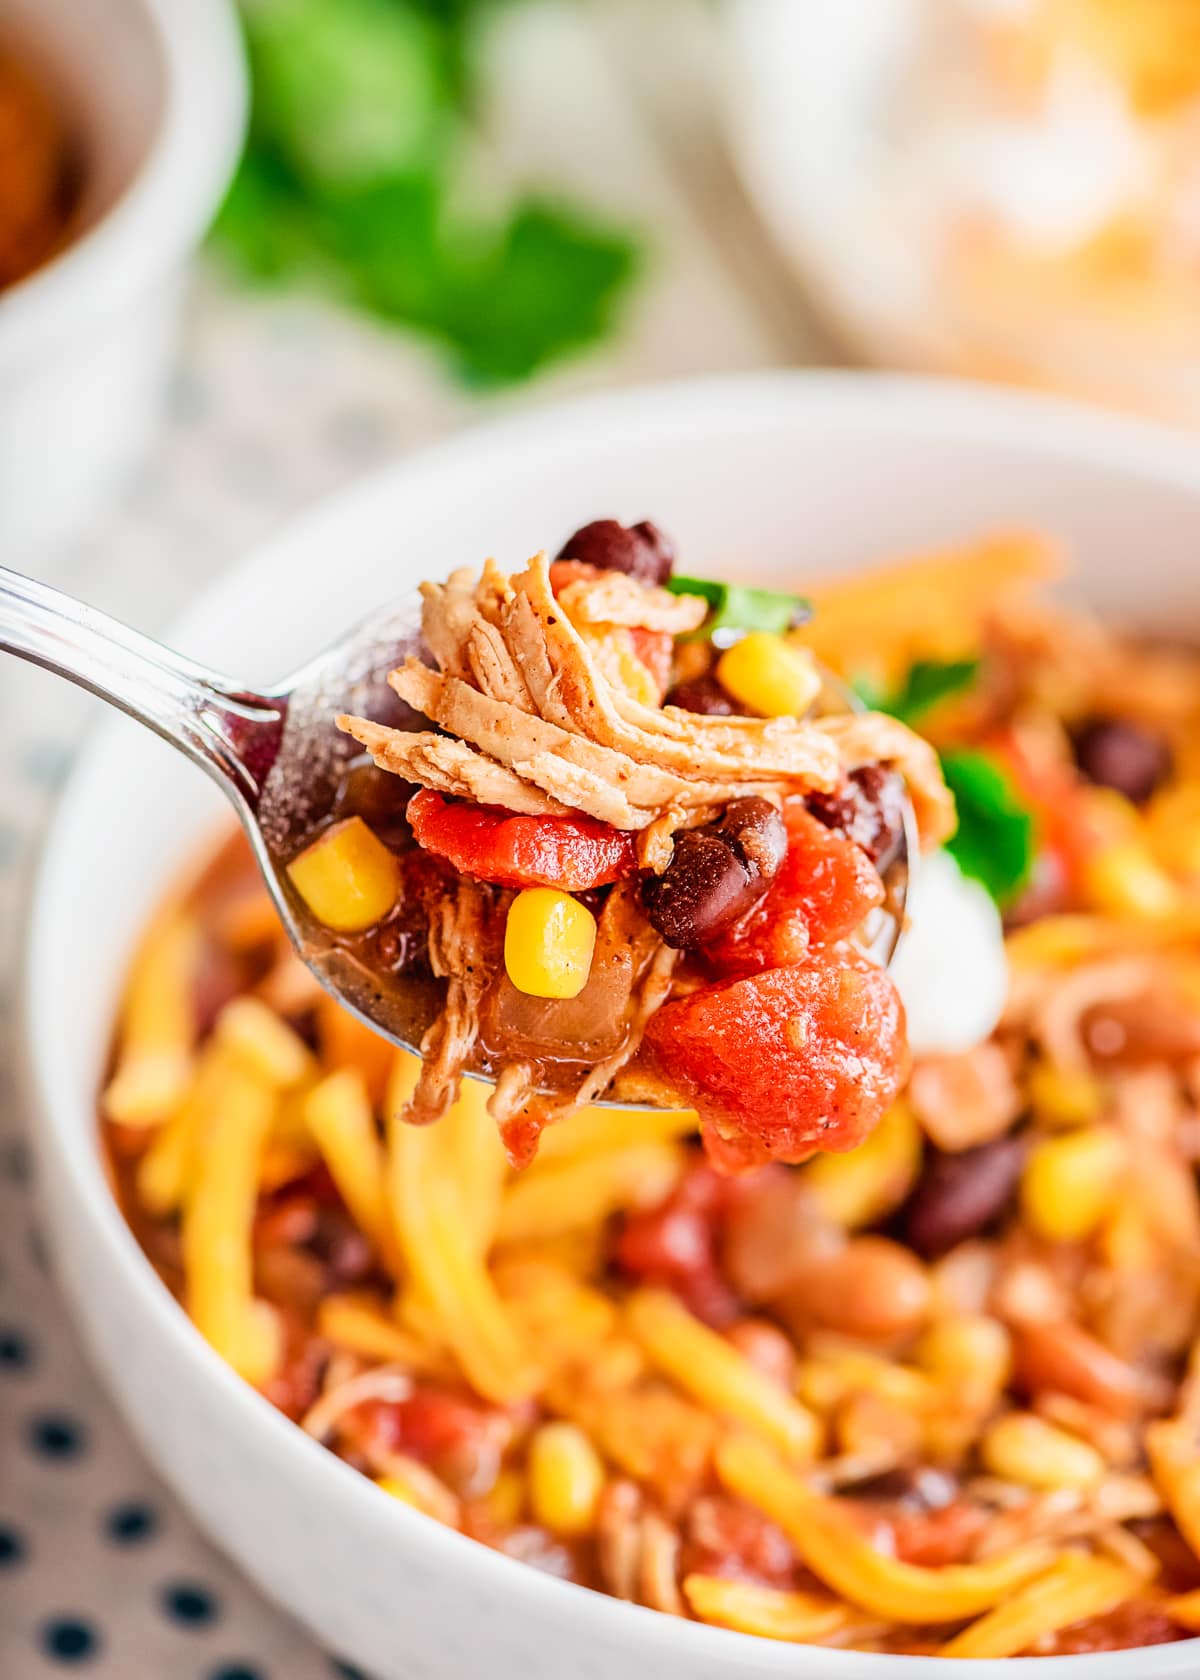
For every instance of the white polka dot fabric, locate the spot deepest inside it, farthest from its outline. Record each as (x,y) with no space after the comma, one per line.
(101,1573)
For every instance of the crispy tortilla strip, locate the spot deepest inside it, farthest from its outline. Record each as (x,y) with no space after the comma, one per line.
(836,1551)
(512,736)
(723,750)
(448,611)
(450,767)
(873,738)
(615,598)
(1076,1587)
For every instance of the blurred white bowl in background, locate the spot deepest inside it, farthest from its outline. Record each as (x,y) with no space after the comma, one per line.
(155,91)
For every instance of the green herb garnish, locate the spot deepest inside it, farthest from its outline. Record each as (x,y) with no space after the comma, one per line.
(736,609)
(930,681)
(355,177)
(926,683)
(994,842)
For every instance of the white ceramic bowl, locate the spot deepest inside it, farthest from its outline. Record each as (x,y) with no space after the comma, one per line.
(776,478)
(156,91)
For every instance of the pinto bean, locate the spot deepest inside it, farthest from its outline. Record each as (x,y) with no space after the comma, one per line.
(871,1287)
(1067,1359)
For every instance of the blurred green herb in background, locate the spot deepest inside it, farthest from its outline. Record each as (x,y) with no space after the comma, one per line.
(355,177)
(995,840)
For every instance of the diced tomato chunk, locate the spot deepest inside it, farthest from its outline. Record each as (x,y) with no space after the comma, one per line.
(572,853)
(563,573)
(786,1061)
(725,1537)
(656,650)
(825,888)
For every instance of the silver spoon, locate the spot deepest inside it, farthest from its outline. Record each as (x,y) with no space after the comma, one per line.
(280,759)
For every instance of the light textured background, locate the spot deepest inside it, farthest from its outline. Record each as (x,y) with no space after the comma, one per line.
(276,403)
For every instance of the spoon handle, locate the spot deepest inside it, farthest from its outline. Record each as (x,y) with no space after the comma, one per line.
(229,731)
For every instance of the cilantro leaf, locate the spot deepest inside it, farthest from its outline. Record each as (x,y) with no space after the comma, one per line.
(930,681)
(360,140)
(994,842)
(926,682)
(735,608)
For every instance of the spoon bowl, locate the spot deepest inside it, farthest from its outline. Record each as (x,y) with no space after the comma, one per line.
(281,760)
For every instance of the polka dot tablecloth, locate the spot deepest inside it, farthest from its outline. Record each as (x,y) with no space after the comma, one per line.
(101,1572)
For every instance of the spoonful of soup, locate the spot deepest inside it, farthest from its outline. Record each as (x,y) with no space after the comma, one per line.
(593,831)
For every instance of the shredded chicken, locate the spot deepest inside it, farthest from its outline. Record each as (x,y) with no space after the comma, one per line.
(522,692)
(463,950)
(515,1103)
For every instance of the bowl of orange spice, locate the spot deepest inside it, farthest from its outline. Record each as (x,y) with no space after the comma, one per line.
(119,128)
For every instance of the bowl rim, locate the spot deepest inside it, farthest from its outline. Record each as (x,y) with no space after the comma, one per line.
(168,202)
(989,414)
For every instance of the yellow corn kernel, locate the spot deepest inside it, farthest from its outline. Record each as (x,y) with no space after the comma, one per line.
(268,1044)
(1124,879)
(566,1477)
(347,877)
(1064,1096)
(971,1354)
(863,1185)
(769,675)
(1070,1182)
(1024,1448)
(548,943)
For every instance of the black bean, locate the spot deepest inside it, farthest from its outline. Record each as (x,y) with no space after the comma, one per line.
(640,550)
(755,830)
(1117,753)
(869,809)
(716,874)
(958,1196)
(701,694)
